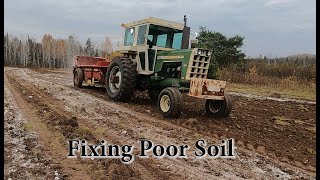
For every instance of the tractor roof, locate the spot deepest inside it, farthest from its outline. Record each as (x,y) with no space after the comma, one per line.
(155,21)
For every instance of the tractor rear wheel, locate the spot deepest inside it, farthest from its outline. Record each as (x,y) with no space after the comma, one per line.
(78,77)
(219,108)
(169,102)
(121,79)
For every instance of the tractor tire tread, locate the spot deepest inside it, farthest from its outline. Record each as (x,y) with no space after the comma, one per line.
(176,98)
(128,83)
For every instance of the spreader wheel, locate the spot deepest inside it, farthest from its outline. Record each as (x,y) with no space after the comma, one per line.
(121,79)
(219,108)
(169,102)
(78,77)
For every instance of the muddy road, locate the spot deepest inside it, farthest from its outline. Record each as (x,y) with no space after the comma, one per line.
(274,139)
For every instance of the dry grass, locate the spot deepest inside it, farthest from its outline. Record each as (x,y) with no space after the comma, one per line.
(306,94)
(254,83)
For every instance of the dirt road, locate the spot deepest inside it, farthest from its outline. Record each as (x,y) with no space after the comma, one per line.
(274,139)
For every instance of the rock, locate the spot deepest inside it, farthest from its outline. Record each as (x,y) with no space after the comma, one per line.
(124,132)
(311,168)
(250,147)
(261,150)
(283,159)
(73,122)
(298,164)
(273,156)
(191,121)
(240,144)
(275,95)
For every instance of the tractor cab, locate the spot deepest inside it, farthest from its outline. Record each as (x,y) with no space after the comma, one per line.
(143,39)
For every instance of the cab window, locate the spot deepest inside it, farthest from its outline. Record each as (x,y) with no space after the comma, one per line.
(162,40)
(165,37)
(142,34)
(177,39)
(128,39)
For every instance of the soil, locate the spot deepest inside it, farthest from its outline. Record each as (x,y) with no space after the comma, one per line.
(274,138)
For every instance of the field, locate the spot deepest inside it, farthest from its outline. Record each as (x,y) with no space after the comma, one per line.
(274,138)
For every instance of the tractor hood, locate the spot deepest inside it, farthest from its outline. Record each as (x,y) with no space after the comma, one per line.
(194,62)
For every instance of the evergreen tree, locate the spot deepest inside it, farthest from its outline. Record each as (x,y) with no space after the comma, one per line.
(88,48)
(225,51)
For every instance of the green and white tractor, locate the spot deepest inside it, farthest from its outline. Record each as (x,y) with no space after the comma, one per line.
(156,57)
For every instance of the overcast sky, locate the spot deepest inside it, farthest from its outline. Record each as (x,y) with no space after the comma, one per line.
(270,27)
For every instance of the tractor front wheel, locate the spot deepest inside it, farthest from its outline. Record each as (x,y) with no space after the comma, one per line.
(169,102)
(219,108)
(78,77)
(121,79)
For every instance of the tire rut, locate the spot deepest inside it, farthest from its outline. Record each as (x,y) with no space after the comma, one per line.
(46,104)
(113,168)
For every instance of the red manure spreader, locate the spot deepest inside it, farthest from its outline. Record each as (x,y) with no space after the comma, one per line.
(90,70)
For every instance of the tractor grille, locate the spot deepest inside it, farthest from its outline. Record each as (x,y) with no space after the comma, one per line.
(198,65)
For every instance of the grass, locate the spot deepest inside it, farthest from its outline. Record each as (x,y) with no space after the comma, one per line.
(99,131)
(30,126)
(27,126)
(311,151)
(281,120)
(312,129)
(305,94)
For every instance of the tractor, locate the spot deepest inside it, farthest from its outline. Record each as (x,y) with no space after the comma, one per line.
(156,57)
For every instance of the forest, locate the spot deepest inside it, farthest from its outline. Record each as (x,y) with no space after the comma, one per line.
(50,52)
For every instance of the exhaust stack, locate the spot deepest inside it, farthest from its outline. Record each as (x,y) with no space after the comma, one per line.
(185,34)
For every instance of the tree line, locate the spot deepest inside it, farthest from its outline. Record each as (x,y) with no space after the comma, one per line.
(301,67)
(227,55)
(50,52)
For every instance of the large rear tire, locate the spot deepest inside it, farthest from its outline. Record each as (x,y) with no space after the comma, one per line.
(121,79)
(219,108)
(78,77)
(170,102)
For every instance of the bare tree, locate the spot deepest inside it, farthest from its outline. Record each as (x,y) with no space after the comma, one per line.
(50,52)
(46,42)
(108,46)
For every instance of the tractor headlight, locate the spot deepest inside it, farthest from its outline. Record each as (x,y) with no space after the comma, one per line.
(209,53)
(199,51)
